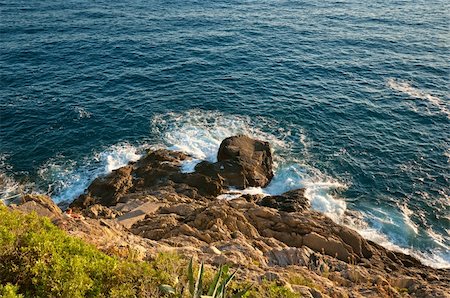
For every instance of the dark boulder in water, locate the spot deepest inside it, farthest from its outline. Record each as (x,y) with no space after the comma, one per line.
(242,162)
(254,156)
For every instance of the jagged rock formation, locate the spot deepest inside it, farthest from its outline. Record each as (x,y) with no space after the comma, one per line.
(150,205)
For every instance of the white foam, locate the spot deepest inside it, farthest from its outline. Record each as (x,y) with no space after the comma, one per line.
(10,189)
(407,218)
(321,199)
(406,88)
(435,258)
(188,165)
(236,193)
(199,133)
(67,179)
(82,112)
(318,188)
(118,156)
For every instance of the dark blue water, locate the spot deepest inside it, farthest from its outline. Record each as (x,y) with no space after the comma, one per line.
(354,96)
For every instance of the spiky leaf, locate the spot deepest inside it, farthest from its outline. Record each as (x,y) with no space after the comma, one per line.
(167,289)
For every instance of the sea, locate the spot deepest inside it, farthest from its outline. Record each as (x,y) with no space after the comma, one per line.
(354,97)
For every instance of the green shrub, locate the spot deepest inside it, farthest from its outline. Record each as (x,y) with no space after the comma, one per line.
(42,260)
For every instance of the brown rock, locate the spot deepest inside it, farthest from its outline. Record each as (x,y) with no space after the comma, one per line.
(41,204)
(98,211)
(331,247)
(254,156)
(139,213)
(288,256)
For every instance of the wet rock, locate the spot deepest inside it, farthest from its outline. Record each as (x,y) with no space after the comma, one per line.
(291,201)
(106,190)
(206,186)
(242,162)
(156,167)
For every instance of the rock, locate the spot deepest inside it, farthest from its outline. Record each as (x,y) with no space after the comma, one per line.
(270,276)
(338,279)
(242,162)
(303,291)
(247,158)
(291,201)
(213,250)
(206,186)
(403,282)
(156,228)
(331,247)
(356,274)
(98,211)
(316,293)
(358,244)
(380,281)
(106,190)
(41,204)
(163,208)
(139,213)
(156,167)
(288,256)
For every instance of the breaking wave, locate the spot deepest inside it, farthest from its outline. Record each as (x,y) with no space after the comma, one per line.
(67,179)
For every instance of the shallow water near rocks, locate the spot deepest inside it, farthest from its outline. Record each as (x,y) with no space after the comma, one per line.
(353,96)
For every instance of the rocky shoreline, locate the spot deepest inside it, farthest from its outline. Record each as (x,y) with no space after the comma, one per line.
(151,206)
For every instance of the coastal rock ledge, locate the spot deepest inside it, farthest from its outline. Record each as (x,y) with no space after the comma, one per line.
(150,206)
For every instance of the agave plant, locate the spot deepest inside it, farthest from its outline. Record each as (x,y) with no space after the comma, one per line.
(217,289)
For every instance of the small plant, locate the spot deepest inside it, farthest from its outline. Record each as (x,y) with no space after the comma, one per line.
(9,291)
(217,288)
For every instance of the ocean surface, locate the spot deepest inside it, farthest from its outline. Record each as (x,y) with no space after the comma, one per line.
(353,95)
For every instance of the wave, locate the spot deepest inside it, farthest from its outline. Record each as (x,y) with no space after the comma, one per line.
(67,179)
(10,189)
(406,88)
(437,257)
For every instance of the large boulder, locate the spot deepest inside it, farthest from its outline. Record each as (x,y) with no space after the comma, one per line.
(242,162)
